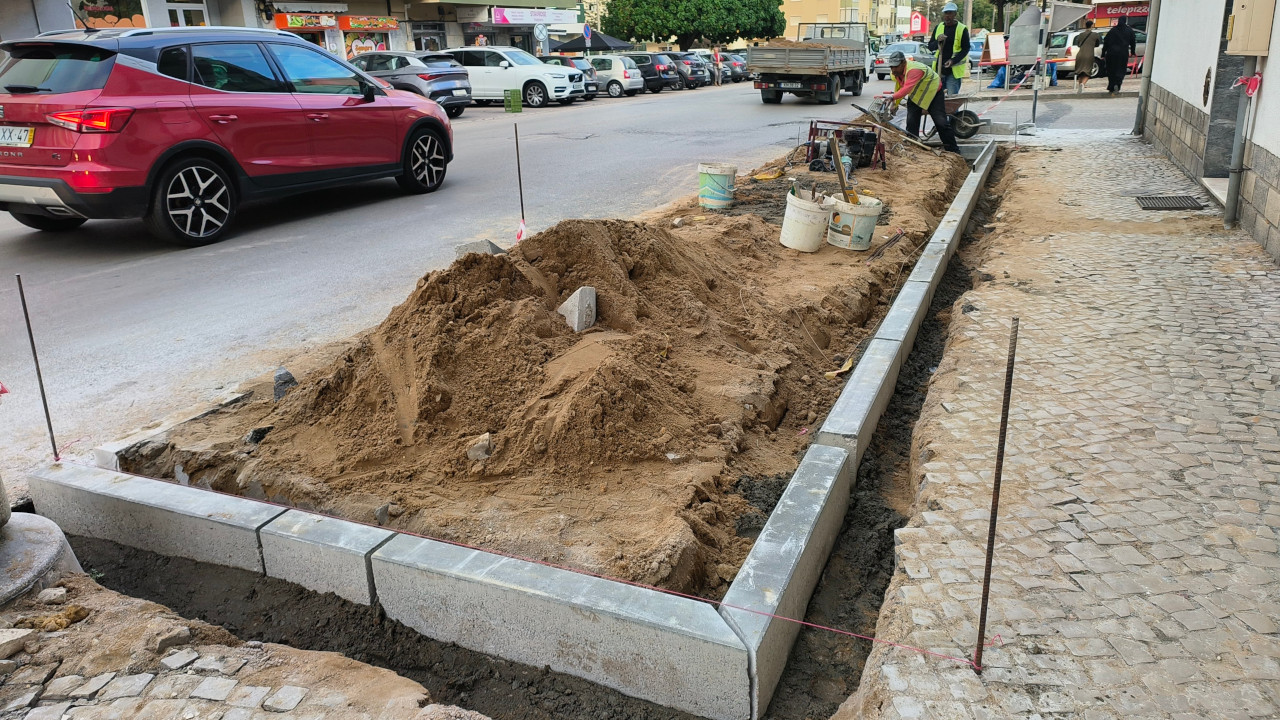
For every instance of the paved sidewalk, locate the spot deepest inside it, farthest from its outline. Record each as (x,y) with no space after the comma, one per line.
(1136,570)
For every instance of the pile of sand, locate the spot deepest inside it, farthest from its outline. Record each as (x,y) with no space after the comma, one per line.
(615,449)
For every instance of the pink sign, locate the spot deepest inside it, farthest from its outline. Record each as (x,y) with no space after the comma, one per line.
(919,24)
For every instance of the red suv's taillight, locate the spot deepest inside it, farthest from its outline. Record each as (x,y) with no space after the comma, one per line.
(92,120)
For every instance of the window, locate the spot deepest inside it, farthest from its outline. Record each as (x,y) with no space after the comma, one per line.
(469,58)
(641,59)
(629,64)
(795,19)
(602,64)
(57,68)
(186,13)
(313,72)
(492,59)
(234,67)
(173,62)
(520,57)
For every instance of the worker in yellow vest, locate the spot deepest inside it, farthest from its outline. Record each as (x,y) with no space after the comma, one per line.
(920,86)
(950,43)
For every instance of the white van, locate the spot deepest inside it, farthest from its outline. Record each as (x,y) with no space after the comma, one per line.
(496,68)
(618,74)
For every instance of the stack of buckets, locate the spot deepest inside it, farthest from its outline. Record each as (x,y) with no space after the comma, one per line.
(843,224)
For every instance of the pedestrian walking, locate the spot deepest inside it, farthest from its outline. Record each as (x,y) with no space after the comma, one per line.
(920,86)
(1086,47)
(1120,44)
(715,56)
(950,41)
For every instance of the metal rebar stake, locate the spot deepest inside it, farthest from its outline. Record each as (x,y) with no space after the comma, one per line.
(995,499)
(39,377)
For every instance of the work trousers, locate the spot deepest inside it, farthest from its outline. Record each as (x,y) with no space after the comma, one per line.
(938,114)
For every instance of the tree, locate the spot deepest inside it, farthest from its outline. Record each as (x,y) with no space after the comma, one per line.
(716,21)
(998,23)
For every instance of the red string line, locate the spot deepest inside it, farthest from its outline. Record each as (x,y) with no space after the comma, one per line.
(580,571)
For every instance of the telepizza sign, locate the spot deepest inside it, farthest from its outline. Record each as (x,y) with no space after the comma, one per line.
(1120,10)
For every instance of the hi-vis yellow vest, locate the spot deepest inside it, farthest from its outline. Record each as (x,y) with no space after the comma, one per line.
(959,63)
(924,90)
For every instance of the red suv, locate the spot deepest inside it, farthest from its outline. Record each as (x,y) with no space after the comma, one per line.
(179,126)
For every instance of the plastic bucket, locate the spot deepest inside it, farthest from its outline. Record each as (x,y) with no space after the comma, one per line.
(805,222)
(715,185)
(853,225)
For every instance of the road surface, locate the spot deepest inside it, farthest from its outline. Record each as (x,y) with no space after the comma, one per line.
(131,331)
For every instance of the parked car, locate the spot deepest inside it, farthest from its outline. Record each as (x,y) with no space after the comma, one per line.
(737,67)
(619,74)
(179,126)
(590,81)
(433,75)
(917,51)
(495,69)
(693,72)
(975,53)
(657,70)
(1066,44)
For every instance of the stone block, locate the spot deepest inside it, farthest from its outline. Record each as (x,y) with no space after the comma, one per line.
(580,309)
(322,554)
(179,659)
(931,265)
(152,515)
(1258,195)
(1272,211)
(852,420)
(126,686)
(672,651)
(214,688)
(484,247)
(11,641)
(285,699)
(904,317)
(780,573)
(91,687)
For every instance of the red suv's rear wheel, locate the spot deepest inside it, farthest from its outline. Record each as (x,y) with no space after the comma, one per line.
(425,162)
(193,203)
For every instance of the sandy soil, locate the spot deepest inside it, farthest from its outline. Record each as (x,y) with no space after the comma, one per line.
(618,450)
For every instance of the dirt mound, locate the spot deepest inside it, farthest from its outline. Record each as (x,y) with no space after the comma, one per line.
(785,43)
(616,449)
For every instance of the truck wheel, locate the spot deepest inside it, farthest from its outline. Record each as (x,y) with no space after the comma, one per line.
(856,88)
(831,96)
(771,97)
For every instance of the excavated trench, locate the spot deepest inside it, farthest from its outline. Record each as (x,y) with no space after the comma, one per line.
(824,668)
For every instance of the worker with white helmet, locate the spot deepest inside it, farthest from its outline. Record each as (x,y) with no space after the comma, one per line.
(921,87)
(950,42)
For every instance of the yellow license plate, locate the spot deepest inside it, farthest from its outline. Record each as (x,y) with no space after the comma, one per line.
(17,136)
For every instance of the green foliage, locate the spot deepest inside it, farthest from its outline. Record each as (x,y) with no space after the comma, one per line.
(715,21)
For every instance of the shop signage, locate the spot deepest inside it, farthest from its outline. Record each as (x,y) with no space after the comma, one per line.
(297,21)
(919,24)
(367,22)
(532,16)
(114,13)
(1119,11)
(472,13)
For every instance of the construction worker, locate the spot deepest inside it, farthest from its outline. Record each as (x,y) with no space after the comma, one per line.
(919,85)
(950,43)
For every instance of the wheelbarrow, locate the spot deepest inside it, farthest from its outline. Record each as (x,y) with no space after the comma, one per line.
(964,122)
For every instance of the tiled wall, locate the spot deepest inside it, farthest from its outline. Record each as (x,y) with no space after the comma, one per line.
(1259,209)
(1178,128)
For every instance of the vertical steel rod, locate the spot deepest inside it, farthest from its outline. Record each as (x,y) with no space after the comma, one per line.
(39,377)
(995,498)
(519,175)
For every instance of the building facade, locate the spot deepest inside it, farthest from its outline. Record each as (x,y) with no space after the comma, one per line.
(1192,109)
(883,17)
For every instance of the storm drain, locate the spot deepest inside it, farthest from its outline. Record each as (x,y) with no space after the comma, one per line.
(1168,202)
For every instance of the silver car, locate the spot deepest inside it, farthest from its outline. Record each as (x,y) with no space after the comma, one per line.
(435,75)
(917,51)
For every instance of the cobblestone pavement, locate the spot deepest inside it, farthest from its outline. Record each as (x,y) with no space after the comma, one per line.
(1136,572)
(98,655)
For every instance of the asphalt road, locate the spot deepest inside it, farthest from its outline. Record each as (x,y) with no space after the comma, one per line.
(131,331)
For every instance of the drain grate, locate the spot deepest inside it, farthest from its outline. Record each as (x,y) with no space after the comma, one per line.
(1168,202)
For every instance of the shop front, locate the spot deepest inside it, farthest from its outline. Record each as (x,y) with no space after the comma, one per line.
(315,28)
(1105,14)
(366,33)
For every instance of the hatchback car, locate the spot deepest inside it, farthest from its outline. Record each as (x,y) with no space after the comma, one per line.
(179,126)
(917,51)
(691,72)
(619,74)
(434,75)
(590,79)
(737,67)
(657,70)
(1066,44)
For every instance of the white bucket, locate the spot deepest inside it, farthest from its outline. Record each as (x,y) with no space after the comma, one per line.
(715,185)
(853,225)
(805,222)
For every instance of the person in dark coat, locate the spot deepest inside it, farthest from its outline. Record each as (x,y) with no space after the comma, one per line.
(1086,49)
(1120,44)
